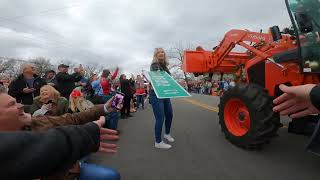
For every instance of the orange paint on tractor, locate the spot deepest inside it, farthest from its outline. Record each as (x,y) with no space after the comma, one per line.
(260,49)
(290,57)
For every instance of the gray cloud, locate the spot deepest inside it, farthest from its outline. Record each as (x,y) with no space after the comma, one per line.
(125,33)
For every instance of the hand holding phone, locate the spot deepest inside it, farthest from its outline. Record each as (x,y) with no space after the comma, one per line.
(28,90)
(47,107)
(117,101)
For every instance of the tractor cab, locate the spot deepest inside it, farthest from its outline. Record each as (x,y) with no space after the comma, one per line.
(305,17)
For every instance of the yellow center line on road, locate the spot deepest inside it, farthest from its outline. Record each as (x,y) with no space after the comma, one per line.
(200,104)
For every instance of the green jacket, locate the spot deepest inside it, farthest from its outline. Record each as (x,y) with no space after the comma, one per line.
(59,107)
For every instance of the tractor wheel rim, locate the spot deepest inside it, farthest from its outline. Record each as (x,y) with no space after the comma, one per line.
(237,117)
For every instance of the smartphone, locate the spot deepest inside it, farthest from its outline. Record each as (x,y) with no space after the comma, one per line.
(117,101)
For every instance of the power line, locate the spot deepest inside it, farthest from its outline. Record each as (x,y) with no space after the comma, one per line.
(11,20)
(76,4)
(67,45)
(8,18)
(43,45)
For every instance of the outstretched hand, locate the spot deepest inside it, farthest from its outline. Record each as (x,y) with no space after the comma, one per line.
(109,107)
(106,134)
(295,101)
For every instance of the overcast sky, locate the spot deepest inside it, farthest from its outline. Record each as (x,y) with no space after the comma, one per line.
(125,32)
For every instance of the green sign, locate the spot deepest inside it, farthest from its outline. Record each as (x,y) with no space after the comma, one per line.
(165,86)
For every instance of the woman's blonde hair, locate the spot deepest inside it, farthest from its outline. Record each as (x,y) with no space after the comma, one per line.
(80,104)
(56,94)
(156,60)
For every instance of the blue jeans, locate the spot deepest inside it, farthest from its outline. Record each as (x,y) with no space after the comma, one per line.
(162,110)
(140,100)
(112,120)
(92,171)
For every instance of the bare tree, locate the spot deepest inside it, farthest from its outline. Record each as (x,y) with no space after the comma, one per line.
(92,68)
(6,65)
(10,67)
(176,57)
(42,64)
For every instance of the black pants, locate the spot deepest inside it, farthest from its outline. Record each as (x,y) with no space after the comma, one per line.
(126,105)
(314,142)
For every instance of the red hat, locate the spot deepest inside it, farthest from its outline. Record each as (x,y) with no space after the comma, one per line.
(76,93)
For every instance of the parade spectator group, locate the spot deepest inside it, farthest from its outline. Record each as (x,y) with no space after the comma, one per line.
(211,87)
(70,97)
(57,93)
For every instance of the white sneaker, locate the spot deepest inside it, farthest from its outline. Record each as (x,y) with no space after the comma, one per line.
(162,145)
(168,137)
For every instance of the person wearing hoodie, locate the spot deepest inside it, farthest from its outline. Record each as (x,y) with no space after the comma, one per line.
(70,144)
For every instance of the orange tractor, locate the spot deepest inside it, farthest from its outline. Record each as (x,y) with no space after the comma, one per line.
(291,57)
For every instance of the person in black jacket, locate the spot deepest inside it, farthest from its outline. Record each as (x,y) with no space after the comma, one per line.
(69,143)
(126,89)
(298,101)
(50,78)
(27,85)
(65,81)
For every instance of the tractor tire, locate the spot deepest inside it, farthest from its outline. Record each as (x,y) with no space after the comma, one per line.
(246,117)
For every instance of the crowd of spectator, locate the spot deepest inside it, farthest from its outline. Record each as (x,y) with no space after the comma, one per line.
(63,98)
(214,88)
(74,92)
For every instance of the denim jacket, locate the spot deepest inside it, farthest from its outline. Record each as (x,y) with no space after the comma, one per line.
(96,86)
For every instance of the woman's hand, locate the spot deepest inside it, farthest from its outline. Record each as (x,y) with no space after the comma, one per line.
(106,134)
(47,107)
(295,101)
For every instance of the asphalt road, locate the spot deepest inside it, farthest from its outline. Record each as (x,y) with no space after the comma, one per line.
(201,151)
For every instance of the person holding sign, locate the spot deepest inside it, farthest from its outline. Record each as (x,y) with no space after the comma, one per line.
(162,108)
